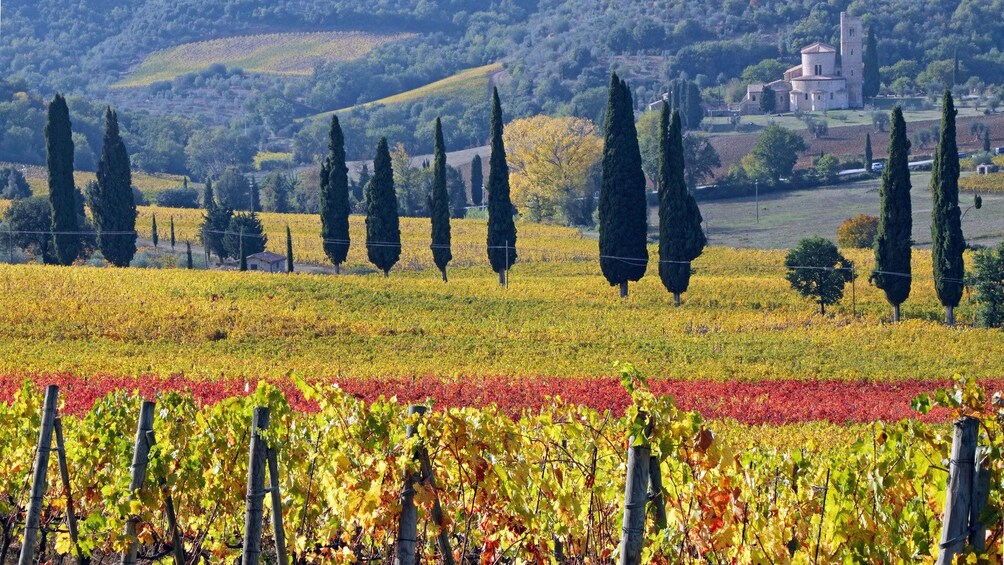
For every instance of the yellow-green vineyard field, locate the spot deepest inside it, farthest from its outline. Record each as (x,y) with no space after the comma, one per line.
(559,317)
(275,53)
(469,84)
(149,184)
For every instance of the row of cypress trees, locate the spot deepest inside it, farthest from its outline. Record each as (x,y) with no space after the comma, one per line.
(623,209)
(111,199)
(383,232)
(894,241)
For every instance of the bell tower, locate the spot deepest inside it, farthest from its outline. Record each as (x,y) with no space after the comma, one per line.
(852,68)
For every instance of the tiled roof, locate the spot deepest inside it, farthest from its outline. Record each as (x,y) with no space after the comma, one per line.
(819,47)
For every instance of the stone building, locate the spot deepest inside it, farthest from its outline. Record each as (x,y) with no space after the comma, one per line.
(267,262)
(825,80)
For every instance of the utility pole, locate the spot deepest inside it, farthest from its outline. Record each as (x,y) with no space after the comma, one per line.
(756,192)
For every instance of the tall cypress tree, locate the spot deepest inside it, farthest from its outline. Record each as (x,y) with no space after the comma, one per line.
(255,196)
(868,152)
(62,194)
(335,198)
(383,231)
(623,209)
(289,250)
(892,244)
(153,232)
(501,226)
(241,253)
(947,242)
(477,181)
(681,239)
(208,199)
(172,233)
(439,205)
(112,204)
(872,80)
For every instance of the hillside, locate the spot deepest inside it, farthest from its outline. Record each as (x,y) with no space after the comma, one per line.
(292,54)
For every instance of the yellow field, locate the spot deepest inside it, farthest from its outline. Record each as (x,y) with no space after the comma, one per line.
(276,53)
(469,84)
(149,184)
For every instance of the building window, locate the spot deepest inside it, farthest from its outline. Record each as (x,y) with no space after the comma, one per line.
(752,97)
(806,95)
(819,69)
(851,32)
(852,72)
(852,51)
(831,96)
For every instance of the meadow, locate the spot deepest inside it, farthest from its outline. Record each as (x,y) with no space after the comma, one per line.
(468,85)
(293,54)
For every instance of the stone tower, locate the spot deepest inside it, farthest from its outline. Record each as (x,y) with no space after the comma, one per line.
(851,66)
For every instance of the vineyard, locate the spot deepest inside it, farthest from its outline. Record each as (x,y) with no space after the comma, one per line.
(470,85)
(540,486)
(275,53)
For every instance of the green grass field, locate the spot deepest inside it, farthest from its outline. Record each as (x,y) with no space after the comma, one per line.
(467,84)
(277,54)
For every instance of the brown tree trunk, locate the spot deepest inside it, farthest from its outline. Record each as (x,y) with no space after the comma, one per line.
(338,268)
(443,270)
(950,315)
(502,278)
(676,299)
(895,312)
(624,289)
(822,307)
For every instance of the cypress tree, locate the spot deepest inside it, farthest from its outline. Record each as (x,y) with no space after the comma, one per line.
(872,80)
(477,181)
(383,231)
(289,250)
(681,239)
(62,194)
(868,152)
(188,254)
(153,232)
(501,226)
(986,140)
(894,239)
(255,196)
(623,208)
(947,242)
(111,199)
(172,233)
(240,252)
(208,200)
(439,205)
(335,198)
(364,178)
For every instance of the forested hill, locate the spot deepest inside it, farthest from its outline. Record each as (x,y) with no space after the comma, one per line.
(554,56)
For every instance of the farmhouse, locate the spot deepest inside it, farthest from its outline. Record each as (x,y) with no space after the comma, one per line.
(826,79)
(267,261)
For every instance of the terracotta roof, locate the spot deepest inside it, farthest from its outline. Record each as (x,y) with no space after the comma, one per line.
(267,256)
(818,47)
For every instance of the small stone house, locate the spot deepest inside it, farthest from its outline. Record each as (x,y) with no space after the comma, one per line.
(267,262)
(987,169)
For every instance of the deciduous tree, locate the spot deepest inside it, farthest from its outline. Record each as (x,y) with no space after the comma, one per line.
(549,160)
(817,270)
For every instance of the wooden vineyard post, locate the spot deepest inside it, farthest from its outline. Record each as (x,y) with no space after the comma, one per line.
(255,489)
(177,546)
(278,530)
(981,492)
(958,502)
(38,476)
(64,475)
(140,458)
(437,509)
(635,500)
(407,527)
(655,494)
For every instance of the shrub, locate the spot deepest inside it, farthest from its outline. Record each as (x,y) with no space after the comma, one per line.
(986,282)
(858,232)
(178,198)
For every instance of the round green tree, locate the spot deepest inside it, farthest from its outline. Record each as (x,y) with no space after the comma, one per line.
(817,270)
